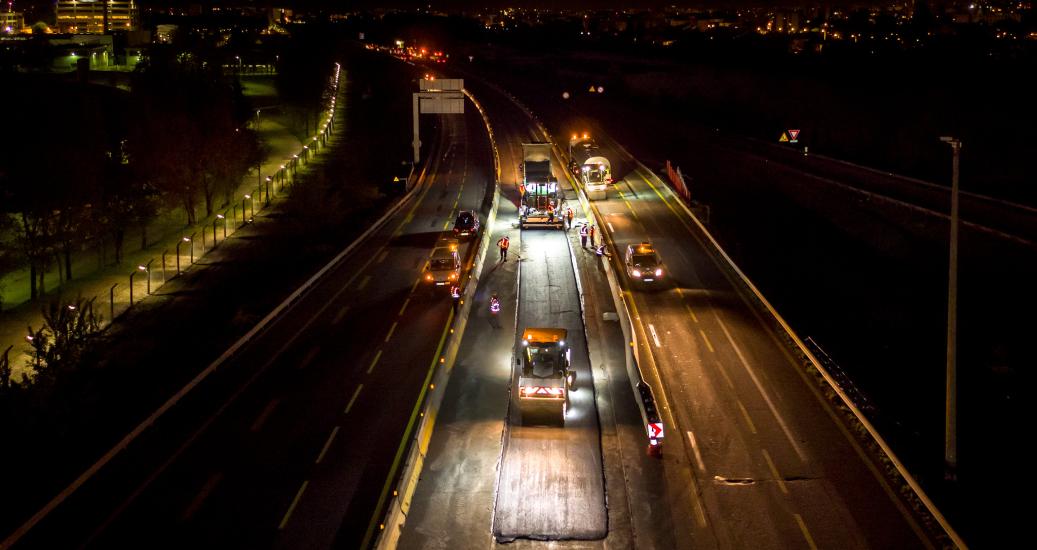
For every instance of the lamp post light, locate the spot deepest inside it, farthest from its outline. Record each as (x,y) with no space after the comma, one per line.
(178,243)
(132,273)
(281,176)
(192,247)
(214,221)
(295,165)
(306,154)
(268,178)
(243,199)
(951,410)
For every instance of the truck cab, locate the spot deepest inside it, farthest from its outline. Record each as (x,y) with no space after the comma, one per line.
(443,268)
(546,376)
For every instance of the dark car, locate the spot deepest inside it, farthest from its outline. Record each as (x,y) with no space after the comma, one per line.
(467,224)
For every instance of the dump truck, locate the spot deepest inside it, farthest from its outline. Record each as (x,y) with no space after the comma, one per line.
(540,203)
(546,377)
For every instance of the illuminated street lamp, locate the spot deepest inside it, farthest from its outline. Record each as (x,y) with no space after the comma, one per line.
(132,273)
(178,243)
(243,199)
(268,178)
(281,176)
(219,217)
(147,268)
(192,247)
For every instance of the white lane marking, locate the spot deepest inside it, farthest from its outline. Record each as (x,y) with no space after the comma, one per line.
(706,340)
(774,472)
(655,336)
(309,357)
(763,392)
(611,229)
(698,455)
(352,399)
(291,507)
(199,499)
(327,444)
(261,419)
(806,532)
(341,313)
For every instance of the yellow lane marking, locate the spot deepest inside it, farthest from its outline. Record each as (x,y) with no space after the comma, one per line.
(706,339)
(405,302)
(745,413)
(774,472)
(416,283)
(391,329)
(363,283)
(353,399)
(806,532)
(373,361)
(692,313)
(261,419)
(381,257)
(446,225)
(327,444)
(291,508)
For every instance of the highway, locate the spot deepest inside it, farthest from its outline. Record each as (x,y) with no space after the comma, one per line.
(486,477)
(758,454)
(291,442)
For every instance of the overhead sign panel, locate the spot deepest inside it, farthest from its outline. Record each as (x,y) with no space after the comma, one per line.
(441,84)
(442,104)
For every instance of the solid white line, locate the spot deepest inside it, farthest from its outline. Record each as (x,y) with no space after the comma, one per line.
(611,229)
(327,444)
(695,448)
(763,392)
(655,336)
(291,508)
(774,472)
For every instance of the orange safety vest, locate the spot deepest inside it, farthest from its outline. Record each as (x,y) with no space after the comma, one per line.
(504,243)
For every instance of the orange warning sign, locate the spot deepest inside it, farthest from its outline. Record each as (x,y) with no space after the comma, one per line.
(784,138)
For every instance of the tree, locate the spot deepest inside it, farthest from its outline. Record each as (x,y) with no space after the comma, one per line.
(57,347)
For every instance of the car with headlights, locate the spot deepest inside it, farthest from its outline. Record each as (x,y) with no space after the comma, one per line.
(443,268)
(643,264)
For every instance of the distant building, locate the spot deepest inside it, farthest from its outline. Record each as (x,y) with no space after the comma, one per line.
(96,16)
(11,22)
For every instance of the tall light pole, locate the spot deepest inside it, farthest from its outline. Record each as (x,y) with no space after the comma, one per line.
(950,450)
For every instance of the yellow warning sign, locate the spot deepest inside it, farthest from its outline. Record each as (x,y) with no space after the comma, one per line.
(784,138)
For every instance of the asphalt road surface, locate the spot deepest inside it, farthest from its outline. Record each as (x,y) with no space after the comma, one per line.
(291,442)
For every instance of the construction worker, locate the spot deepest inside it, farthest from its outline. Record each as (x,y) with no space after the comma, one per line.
(592,236)
(569,217)
(550,213)
(503,244)
(602,251)
(583,235)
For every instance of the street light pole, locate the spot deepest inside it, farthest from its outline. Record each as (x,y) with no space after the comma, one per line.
(192,248)
(147,268)
(951,413)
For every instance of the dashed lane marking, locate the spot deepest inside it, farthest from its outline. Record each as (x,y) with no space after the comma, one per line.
(381,257)
(199,498)
(391,330)
(748,420)
(341,313)
(309,357)
(706,340)
(806,532)
(695,448)
(291,507)
(261,419)
(353,399)
(327,444)
(655,335)
(774,472)
(374,361)
(363,282)
(404,306)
